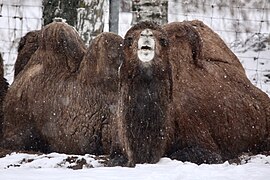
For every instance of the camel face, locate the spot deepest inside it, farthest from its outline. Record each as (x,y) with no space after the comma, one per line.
(146,46)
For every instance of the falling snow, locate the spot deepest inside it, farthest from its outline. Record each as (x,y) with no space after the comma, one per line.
(56,166)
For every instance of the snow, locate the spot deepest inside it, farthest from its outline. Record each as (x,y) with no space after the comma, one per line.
(53,166)
(257,68)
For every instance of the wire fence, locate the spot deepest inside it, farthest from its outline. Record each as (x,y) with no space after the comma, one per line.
(244,26)
(17,17)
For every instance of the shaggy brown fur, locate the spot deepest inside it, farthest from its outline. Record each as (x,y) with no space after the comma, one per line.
(58,103)
(27,47)
(3,91)
(145,96)
(218,113)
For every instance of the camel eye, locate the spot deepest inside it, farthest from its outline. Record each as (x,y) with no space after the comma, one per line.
(128,41)
(147,35)
(163,42)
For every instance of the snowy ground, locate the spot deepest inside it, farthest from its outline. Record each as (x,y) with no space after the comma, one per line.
(56,166)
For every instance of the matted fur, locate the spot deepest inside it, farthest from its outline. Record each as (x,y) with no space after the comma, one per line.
(27,47)
(3,91)
(142,119)
(218,113)
(59,102)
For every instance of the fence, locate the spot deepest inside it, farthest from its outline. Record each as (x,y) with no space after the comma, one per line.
(244,25)
(17,17)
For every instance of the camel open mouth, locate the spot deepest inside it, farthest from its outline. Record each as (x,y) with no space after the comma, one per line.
(146,46)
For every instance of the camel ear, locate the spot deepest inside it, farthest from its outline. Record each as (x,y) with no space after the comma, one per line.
(128,41)
(164,42)
(73,49)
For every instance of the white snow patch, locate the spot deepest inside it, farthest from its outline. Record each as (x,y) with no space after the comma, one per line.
(53,166)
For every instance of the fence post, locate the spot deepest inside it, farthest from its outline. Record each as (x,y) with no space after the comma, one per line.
(114,16)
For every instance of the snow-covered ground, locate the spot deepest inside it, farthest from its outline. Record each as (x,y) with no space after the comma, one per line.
(56,166)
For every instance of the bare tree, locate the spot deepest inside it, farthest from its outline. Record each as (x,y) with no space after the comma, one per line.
(125,5)
(151,10)
(91,19)
(87,16)
(65,9)
(114,16)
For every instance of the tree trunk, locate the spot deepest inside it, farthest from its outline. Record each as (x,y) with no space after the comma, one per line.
(114,16)
(65,9)
(87,16)
(91,19)
(150,10)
